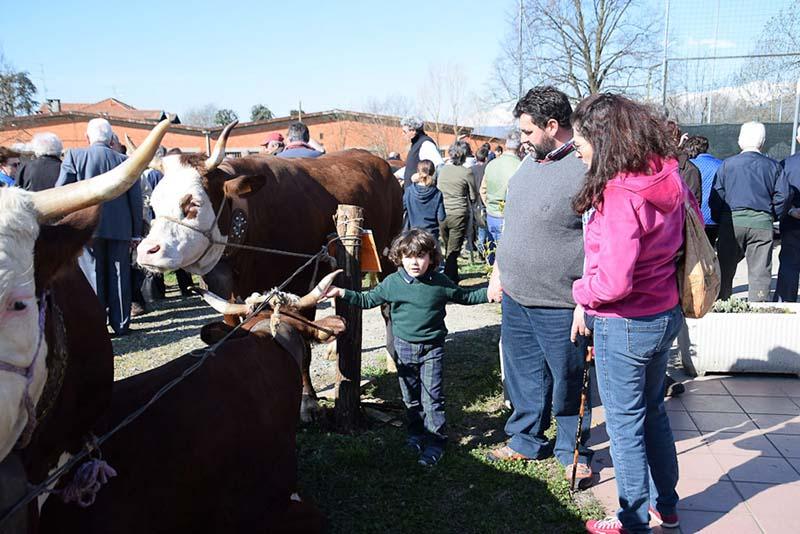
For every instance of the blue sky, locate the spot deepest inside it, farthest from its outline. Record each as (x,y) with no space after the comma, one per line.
(179,55)
(176,55)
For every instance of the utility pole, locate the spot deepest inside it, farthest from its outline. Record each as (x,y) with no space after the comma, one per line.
(713,67)
(664,64)
(299,111)
(519,51)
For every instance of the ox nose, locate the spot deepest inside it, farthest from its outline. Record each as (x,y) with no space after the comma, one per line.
(154,249)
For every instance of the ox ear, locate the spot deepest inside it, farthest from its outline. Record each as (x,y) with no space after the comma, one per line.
(59,245)
(244,185)
(213,332)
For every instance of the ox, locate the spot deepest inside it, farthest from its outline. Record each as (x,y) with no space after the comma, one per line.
(48,312)
(266,202)
(216,453)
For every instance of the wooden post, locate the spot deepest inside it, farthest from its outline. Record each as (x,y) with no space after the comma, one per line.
(349,222)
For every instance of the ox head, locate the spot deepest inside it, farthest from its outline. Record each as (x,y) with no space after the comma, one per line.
(22,347)
(186,202)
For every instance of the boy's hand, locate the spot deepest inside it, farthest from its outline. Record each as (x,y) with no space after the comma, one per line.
(332,292)
(578,324)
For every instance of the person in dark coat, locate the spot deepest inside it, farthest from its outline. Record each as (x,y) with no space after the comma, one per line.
(789,268)
(457,185)
(750,193)
(688,170)
(42,171)
(120,223)
(423,203)
(422,147)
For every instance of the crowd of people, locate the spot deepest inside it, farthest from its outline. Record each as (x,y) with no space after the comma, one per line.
(580,213)
(584,222)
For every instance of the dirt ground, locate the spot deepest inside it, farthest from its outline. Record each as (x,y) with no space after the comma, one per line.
(172,328)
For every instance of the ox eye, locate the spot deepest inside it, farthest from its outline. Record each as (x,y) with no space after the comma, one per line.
(17,306)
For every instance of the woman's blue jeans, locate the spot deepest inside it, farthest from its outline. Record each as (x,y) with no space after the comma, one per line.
(631,362)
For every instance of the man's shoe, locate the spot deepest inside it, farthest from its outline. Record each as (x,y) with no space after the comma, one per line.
(583,475)
(430,456)
(137,309)
(415,444)
(609,525)
(672,388)
(505,454)
(666,521)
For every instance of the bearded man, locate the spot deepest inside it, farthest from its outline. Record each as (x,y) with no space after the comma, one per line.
(539,257)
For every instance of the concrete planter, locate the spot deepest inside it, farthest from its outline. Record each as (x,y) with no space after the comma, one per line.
(743,342)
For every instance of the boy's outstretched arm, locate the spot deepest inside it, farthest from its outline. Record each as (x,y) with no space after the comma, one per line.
(362,299)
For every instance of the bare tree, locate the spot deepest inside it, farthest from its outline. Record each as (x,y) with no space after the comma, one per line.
(580,46)
(442,98)
(200,116)
(383,122)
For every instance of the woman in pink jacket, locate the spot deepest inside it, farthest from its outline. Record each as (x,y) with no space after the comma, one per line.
(633,201)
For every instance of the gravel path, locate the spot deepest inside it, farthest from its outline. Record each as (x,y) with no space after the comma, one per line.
(172,328)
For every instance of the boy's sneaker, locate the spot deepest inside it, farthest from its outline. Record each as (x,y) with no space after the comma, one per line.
(666,521)
(609,525)
(415,444)
(430,456)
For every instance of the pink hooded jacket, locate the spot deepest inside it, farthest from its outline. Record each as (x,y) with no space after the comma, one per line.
(631,243)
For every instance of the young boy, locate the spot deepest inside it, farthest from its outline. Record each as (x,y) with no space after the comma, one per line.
(417,294)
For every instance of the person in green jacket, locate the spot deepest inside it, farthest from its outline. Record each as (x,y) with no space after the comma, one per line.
(417,294)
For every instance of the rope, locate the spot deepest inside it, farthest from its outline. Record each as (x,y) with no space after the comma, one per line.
(95,444)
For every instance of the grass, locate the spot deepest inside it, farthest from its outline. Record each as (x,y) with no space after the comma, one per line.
(369,483)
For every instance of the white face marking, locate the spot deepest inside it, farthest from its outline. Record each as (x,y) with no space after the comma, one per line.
(19,314)
(169,245)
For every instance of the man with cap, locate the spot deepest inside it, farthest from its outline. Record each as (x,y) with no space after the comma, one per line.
(273,144)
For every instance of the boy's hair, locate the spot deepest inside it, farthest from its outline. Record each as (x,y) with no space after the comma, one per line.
(426,169)
(415,242)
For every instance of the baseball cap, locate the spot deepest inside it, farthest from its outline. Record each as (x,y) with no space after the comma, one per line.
(274,136)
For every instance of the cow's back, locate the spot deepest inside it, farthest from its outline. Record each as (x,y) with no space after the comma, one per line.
(295,209)
(215,454)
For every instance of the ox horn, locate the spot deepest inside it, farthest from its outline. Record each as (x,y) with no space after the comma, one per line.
(219,148)
(220,304)
(310,300)
(60,201)
(129,143)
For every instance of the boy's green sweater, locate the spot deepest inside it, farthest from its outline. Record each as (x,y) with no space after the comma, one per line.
(417,304)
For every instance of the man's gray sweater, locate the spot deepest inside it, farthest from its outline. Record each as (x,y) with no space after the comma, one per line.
(541,250)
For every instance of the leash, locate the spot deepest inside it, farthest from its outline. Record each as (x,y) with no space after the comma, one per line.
(95,444)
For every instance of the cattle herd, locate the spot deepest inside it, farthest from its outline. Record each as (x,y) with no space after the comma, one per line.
(216,452)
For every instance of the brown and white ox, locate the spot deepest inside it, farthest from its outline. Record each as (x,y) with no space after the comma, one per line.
(288,204)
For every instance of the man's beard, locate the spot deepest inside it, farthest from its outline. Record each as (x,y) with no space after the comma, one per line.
(541,150)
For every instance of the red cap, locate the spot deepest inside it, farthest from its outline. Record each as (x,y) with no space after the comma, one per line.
(274,136)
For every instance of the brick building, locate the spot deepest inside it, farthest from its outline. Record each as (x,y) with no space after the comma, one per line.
(336,129)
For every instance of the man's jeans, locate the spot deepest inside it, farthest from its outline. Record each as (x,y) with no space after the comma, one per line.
(494,227)
(419,368)
(543,377)
(631,362)
(737,242)
(789,268)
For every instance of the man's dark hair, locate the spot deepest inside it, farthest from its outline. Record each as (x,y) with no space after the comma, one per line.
(297,132)
(458,152)
(499,149)
(482,154)
(7,154)
(174,150)
(695,145)
(543,103)
(415,243)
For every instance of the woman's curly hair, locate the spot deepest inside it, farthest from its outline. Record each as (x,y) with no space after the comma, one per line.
(624,135)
